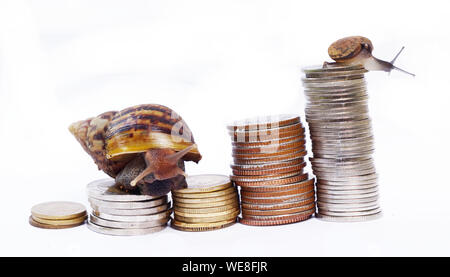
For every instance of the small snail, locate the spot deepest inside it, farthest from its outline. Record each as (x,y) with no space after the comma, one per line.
(143,147)
(358,50)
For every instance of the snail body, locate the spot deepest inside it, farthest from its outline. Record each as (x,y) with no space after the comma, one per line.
(143,147)
(358,50)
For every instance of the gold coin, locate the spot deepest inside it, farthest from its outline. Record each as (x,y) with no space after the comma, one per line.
(58,210)
(226,217)
(216,214)
(205,183)
(205,194)
(231,201)
(60,222)
(200,227)
(47,226)
(210,210)
(177,199)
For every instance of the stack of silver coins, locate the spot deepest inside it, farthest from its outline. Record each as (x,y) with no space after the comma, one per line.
(115,212)
(342,143)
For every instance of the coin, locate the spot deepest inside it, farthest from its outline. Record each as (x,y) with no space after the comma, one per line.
(267,143)
(281,221)
(346,201)
(278,188)
(264,137)
(249,212)
(280,217)
(270,148)
(218,193)
(105,189)
(277,206)
(129,205)
(347,192)
(254,156)
(277,200)
(230,201)
(265,177)
(323,209)
(348,213)
(215,209)
(292,168)
(307,188)
(196,219)
(58,210)
(127,225)
(132,212)
(51,226)
(59,222)
(348,218)
(205,183)
(200,227)
(267,131)
(268,166)
(264,122)
(136,218)
(123,232)
(282,158)
(179,200)
(276,182)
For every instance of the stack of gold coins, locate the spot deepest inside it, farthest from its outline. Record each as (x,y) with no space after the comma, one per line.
(57,215)
(209,202)
(268,165)
(118,213)
(337,113)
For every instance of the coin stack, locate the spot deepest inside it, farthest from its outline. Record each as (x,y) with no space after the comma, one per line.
(342,143)
(268,165)
(115,212)
(209,202)
(57,215)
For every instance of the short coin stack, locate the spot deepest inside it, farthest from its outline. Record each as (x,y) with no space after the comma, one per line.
(342,143)
(268,165)
(57,215)
(208,203)
(115,212)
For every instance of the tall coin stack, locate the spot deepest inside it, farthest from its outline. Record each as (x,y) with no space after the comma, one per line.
(268,165)
(115,212)
(342,143)
(208,203)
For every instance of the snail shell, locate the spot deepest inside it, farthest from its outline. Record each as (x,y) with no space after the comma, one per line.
(140,145)
(358,50)
(348,48)
(140,128)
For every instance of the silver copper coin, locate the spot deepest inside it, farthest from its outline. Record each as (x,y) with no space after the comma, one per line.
(104,189)
(127,225)
(348,213)
(129,205)
(320,198)
(334,208)
(132,212)
(347,192)
(348,218)
(123,232)
(339,188)
(137,218)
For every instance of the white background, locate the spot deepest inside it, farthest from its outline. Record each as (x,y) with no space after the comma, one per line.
(213,62)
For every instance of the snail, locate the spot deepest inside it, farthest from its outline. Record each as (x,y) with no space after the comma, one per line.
(143,147)
(358,50)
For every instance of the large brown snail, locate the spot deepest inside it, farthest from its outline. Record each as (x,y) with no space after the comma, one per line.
(143,147)
(358,50)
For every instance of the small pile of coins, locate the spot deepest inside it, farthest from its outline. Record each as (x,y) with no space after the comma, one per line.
(268,165)
(208,203)
(342,143)
(115,212)
(57,215)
